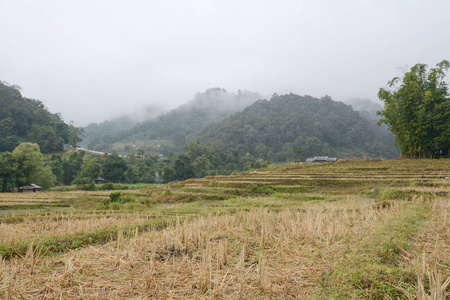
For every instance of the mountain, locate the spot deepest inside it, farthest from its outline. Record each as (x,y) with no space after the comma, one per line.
(173,130)
(94,132)
(27,120)
(274,129)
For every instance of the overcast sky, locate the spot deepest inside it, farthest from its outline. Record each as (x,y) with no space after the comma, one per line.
(93,60)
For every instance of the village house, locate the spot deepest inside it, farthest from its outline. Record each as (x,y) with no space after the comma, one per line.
(31,188)
(98,180)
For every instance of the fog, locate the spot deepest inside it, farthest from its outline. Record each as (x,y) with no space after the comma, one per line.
(94,60)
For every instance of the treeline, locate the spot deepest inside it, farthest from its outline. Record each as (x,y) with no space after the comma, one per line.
(27,120)
(26,164)
(273,129)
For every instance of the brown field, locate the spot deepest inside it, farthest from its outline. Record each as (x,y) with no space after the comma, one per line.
(370,229)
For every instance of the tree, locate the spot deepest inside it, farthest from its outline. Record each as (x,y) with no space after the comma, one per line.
(202,166)
(91,168)
(8,171)
(72,166)
(114,168)
(417,111)
(131,176)
(31,168)
(183,167)
(57,167)
(300,150)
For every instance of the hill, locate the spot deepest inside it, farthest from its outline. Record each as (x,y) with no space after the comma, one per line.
(173,130)
(94,132)
(27,120)
(274,129)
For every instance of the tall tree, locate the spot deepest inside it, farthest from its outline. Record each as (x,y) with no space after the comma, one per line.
(8,171)
(72,166)
(114,168)
(417,111)
(31,168)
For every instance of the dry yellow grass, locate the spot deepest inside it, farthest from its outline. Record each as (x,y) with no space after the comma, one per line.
(39,228)
(279,245)
(251,254)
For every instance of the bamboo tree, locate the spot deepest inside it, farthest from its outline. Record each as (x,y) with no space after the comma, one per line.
(417,111)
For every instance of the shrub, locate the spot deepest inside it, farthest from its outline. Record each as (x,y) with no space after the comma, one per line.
(107,186)
(115,196)
(90,187)
(127,199)
(83,180)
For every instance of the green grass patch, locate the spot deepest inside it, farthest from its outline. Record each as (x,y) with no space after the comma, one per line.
(375,266)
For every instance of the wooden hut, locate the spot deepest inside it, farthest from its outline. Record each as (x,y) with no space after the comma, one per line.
(31,188)
(98,180)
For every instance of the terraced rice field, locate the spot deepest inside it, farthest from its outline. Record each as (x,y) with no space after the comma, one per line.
(370,229)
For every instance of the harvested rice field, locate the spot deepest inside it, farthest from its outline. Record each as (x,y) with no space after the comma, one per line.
(372,229)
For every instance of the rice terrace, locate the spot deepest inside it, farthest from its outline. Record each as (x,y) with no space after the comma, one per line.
(370,229)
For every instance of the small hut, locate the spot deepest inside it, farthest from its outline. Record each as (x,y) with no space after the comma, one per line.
(31,188)
(98,180)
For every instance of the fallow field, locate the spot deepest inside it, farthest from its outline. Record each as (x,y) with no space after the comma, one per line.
(371,229)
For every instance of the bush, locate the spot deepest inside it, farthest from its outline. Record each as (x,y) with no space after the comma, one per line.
(90,187)
(107,186)
(83,180)
(115,197)
(127,199)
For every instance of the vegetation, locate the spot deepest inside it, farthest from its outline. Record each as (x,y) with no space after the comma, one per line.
(273,129)
(172,131)
(30,166)
(27,120)
(417,111)
(23,166)
(267,131)
(27,165)
(372,229)
(264,130)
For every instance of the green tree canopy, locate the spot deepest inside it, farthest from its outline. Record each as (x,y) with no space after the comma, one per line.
(8,171)
(417,111)
(31,168)
(27,120)
(274,129)
(114,168)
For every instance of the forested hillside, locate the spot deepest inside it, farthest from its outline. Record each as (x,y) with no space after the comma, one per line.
(27,120)
(95,132)
(265,131)
(274,130)
(174,130)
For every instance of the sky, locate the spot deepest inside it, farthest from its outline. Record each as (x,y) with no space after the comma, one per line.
(94,60)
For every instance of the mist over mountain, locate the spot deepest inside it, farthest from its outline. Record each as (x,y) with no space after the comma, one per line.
(274,129)
(94,131)
(366,107)
(173,130)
